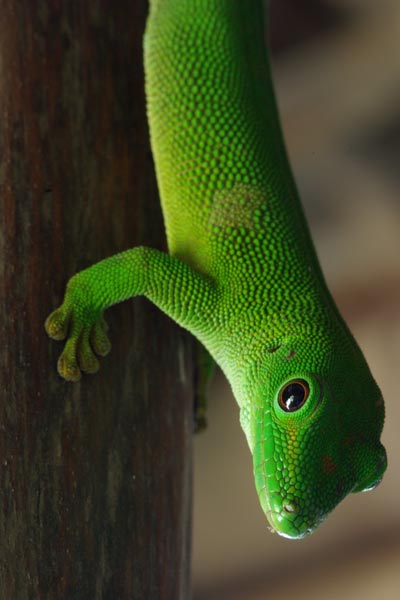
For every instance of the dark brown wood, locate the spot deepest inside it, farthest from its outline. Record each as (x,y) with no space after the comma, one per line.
(95,477)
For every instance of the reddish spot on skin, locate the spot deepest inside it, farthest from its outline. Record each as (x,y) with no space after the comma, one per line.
(350,440)
(328,464)
(291,355)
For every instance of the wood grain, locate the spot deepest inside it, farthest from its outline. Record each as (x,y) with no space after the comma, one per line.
(95,477)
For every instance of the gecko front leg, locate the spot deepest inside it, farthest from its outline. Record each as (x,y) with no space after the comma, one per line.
(184,294)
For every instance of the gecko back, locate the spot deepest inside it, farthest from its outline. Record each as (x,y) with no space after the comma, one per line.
(220,159)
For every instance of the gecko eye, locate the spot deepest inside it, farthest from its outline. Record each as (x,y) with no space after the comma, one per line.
(293,395)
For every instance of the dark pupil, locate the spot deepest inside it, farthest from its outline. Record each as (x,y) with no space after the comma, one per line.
(293,396)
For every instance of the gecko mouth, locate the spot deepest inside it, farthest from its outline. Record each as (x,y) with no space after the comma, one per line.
(291,528)
(290,519)
(289,514)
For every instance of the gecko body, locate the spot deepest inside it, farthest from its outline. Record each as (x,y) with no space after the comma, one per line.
(241,273)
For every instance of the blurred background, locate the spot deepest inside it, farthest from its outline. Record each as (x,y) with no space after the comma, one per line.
(337,77)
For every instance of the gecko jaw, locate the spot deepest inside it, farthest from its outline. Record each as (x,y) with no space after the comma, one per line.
(285,527)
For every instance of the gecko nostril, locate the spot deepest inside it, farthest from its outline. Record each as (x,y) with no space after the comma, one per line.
(290,507)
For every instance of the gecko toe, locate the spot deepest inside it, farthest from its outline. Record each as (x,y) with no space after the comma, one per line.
(56,324)
(67,365)
(86,357)
(99,339)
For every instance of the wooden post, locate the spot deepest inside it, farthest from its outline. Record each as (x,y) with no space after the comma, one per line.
(95,477)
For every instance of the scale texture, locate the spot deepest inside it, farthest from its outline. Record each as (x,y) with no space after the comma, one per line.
(241,274)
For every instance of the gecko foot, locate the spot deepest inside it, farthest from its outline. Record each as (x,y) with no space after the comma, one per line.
(85,330)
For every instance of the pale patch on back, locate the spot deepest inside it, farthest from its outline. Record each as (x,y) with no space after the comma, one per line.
(235,207)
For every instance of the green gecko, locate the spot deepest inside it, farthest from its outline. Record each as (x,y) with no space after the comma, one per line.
(241,274)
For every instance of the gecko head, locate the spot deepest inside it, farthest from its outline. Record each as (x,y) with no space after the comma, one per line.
(316,428)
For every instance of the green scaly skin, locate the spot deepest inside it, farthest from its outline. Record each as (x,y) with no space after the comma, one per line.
(241,273)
